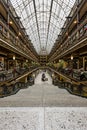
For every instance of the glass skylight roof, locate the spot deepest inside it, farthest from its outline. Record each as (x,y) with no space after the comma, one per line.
(43,20)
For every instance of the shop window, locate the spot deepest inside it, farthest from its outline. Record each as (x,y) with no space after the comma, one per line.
(70,42)
(81,32)
(77,35)
(1,63)
(1,27)
(12,38)
(74,38)
(5,31)
(85,27)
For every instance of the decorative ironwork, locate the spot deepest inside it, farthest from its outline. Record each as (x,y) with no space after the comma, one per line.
(43,20)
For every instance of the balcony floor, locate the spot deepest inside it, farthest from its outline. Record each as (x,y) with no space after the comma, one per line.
(43,94)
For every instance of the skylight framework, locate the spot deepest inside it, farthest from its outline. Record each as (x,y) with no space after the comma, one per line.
(43,20)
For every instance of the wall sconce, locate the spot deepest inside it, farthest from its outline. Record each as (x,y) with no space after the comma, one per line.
(66,33)
(17,37)
(26,60)
(53,75)
(10,22)
(75,21)
(71,57)
(59,60)
(33,75)
(19,34)
(13,57)
(61,45)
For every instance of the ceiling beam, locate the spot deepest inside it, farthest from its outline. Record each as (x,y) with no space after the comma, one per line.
(49,22)
(37,21)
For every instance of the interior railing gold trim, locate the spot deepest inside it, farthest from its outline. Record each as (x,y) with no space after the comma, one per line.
(67,45)
(19,45)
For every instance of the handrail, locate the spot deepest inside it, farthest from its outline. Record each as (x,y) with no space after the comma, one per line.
(67,42)
(65,76)
(12,34)
(69,78)
(72,85)
(24,74)
(13,88)
(81,2)
(13,85)
(15,42)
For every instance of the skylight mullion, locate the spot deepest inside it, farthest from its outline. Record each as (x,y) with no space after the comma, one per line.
(59,12)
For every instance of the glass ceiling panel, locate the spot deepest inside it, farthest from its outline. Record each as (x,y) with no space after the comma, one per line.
(43,20)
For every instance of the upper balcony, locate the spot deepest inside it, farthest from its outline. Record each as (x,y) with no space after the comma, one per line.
(75,35)
(13,36)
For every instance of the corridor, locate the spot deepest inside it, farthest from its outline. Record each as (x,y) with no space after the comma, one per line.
(43,94)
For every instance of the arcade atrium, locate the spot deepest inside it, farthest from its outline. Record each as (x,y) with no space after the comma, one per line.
(43,48)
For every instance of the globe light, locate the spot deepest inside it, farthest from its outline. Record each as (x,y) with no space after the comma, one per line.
(13,57)
(71,57)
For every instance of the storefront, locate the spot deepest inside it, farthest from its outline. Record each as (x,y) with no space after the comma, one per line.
(2,67)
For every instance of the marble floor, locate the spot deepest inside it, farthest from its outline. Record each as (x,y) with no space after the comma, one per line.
(57,118)
(43,94)
(43,106)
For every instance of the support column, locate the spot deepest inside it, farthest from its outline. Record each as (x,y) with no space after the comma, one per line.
(8,20)
(25,79)
(78,19)
(78,64)
(84,63)
(15,62)
(8,65)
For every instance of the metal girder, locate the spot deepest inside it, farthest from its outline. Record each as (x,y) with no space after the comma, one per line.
(43,18)
(37,21)
(49,21)
(60,4)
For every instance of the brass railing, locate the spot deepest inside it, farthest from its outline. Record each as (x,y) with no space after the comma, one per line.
(12,39)
(72,85)
(13,85)
(78,35)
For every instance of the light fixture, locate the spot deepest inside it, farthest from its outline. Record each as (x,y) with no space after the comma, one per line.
(53,75)
(66,33)
(68,37)
(14,57)
(71,57)
(59,60)
(75,21)
(19,34)
(17,37)
(26,60)
(11,22)
(33,75)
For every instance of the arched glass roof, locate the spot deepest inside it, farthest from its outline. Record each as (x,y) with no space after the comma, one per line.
(43,20)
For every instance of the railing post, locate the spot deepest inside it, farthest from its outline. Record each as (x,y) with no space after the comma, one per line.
(84,67)
(80,88)
(78,63)
(5,89)
(8,19)
(72,87)
(78,19)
